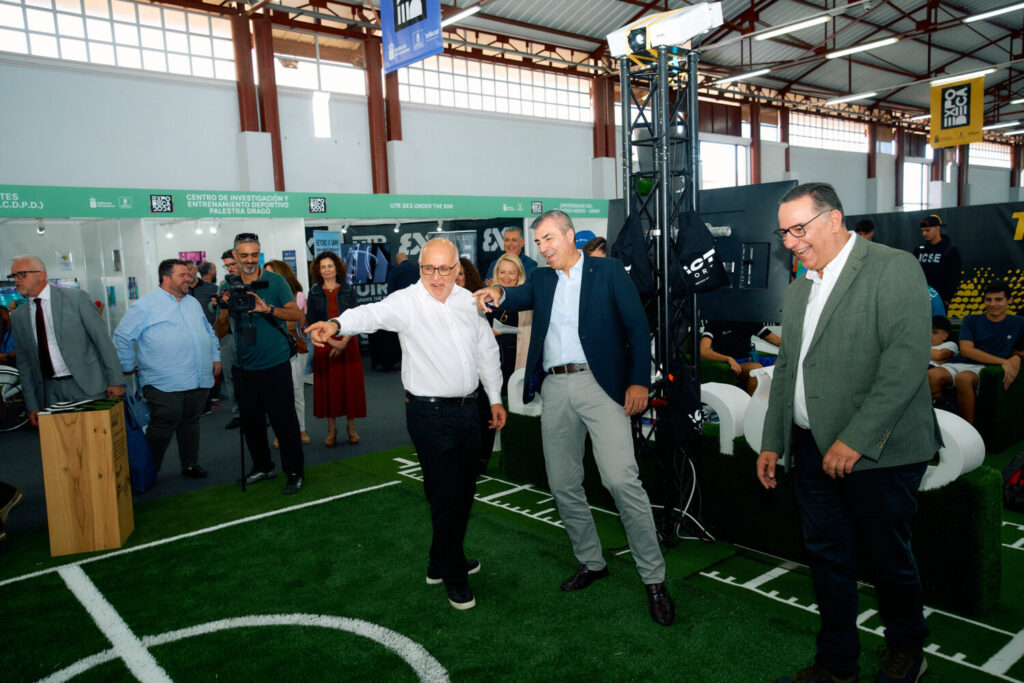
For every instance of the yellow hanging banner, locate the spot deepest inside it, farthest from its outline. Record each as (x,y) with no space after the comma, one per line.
(957,114)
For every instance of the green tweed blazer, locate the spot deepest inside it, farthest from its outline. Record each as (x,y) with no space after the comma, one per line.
(865,376)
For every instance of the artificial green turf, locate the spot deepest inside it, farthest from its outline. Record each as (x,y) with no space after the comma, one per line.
(364,557)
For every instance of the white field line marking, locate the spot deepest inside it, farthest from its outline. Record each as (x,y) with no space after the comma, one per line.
(126,645)
(415,655)
(1015,525)
(1018,545)
(766,577)
(1000,662)
(407,470)
(198,532)
(957,658)
(789,564)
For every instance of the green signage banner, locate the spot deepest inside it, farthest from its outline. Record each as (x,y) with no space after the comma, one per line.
(37,201)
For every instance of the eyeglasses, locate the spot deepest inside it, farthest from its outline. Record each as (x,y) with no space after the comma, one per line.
(247,237)
(800,229)
(22,274)
(444,270)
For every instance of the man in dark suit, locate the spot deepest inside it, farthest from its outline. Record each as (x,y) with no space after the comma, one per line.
(850,414)
(64,350)
(589,348)
(404,273)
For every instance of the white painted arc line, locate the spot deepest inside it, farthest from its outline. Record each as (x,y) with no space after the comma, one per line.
(198,532)
(126,645)
(1010,654)
(769,575)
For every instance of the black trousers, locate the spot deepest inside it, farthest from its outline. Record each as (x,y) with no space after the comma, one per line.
(867,513)
(447,441)
(174,413)
(262,395)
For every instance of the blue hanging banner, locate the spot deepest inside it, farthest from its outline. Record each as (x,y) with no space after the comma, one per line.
(412,31)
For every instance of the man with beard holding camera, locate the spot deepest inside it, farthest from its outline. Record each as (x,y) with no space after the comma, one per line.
(261,304)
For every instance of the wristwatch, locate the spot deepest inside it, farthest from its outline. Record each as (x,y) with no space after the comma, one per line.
(271,312)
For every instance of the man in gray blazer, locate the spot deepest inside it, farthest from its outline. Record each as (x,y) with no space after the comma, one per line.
(76,359)
(850,414)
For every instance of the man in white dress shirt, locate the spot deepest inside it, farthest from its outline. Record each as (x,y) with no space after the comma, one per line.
(448,349)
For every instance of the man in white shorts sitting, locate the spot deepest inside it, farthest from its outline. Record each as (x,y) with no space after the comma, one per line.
(993,338)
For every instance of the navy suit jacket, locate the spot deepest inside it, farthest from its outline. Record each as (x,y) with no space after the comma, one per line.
(613,327)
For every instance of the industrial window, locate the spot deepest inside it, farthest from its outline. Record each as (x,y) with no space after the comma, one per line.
(482,86)
(119,33)
(823,132)
(989,154)
(723,165)
(915,185)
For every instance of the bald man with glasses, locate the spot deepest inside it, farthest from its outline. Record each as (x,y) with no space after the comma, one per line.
(448,349)
(64,352)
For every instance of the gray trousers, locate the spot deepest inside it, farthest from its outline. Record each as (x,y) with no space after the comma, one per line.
(575,404)
(227,360)
(65,390)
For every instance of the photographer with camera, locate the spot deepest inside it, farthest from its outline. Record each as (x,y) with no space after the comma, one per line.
(262,372)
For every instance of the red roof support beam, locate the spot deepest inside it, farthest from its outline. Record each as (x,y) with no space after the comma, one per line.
(375,111)
(241,40)
(264,38)
(602,101)
(393,106)
(963,151)
(755,143)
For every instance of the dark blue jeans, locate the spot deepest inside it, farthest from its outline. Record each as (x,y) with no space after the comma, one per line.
(447,441)
(867,513)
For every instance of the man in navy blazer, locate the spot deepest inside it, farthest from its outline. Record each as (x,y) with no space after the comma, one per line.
(589,358)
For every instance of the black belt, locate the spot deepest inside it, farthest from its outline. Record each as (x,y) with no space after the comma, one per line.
(569,368)
(448,400)
(59,379)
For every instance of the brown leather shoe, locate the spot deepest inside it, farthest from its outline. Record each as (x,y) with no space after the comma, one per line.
(583,577)
(663,610)
(303,438)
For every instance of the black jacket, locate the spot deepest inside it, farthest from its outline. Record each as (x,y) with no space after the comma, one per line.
(404,274)
(316,302)
(941,265)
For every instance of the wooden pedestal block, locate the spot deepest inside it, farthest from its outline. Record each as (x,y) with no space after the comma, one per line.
(88,486)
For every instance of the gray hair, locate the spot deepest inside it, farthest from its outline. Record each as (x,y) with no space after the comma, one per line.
(37,262)
(561,219)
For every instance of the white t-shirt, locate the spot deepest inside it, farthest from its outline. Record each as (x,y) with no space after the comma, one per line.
(948,346)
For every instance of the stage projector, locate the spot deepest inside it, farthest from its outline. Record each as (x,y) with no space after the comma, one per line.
(662,30)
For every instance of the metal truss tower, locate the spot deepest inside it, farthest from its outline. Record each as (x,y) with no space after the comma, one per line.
(660,177)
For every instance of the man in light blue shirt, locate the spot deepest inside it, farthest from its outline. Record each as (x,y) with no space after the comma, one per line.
(178,356)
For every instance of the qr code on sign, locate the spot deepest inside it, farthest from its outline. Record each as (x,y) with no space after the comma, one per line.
(161,203)
(536,207)
(318,205)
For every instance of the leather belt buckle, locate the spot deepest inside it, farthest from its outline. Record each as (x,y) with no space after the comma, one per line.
(569,368)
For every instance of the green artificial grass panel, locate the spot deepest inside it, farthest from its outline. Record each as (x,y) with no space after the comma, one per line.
(281,653)
(29,550)
(67,639)
(364,557)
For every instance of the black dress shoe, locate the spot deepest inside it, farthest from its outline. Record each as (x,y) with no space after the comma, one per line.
(233,424)
(584,577)
(195,472)
(663,610)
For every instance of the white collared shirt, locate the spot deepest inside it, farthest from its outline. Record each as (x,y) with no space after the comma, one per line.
(447,347)
(562,342)
(821,289)
(60,368)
